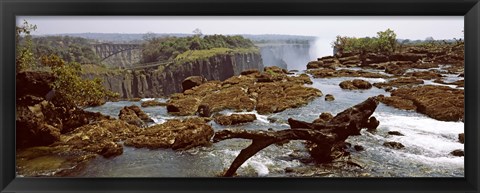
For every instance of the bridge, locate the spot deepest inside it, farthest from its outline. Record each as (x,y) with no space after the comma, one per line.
(107,50)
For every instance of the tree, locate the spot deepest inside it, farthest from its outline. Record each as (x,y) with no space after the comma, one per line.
(387,41)
(197,32)
(71,88)
(24,56)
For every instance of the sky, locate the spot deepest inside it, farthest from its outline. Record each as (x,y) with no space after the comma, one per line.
(406,27)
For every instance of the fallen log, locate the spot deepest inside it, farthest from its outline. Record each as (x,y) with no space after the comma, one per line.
(324,138)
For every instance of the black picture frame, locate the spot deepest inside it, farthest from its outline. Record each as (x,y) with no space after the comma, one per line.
(470,9)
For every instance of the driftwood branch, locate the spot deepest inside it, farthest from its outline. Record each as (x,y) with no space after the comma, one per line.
(323,135)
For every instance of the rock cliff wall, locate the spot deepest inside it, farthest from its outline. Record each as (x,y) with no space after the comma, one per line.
(168,79)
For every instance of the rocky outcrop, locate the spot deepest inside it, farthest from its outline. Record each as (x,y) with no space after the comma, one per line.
(134,115)
(152,103)
(175,134)
(329,97)
(234,119)
(458,153)
(192,81)
(330,73)
(397,102)
(269,92)
(165,80)
(461,137)
(355,84)
(438,102)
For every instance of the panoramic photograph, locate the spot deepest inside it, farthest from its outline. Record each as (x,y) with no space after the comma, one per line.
(240,96)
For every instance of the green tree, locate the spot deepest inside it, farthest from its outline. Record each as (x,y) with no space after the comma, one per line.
(387,41)
(24,58)
(71,88)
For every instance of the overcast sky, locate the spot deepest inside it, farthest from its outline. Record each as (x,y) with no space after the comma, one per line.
(406,27)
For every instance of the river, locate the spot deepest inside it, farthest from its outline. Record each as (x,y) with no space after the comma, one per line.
(428,143)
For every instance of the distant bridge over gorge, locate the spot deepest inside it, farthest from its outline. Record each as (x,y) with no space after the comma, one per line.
(118,55)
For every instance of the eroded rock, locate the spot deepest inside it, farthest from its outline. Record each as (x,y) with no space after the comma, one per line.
(235,119)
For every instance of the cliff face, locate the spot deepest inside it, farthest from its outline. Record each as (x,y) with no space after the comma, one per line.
(162,82)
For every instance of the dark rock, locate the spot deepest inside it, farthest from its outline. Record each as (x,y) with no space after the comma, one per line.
(372,124)
(192,81)
(235,119)
(458,152)
(175,134)
(329,97)
(395,133)
(358,148)
(323,118)
(461,137)
(393,145)
(203,111)
(355,84)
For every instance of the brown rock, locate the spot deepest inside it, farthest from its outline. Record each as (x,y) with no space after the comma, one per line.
(355,84)
(426,75)
(134,115)
(323,118)
(235,119)
(329,97)
(461,137)
(458,153)
(175,134)
(153,103)
(275,69)
(438,102)
(192,81)
(398,102)
(250,72)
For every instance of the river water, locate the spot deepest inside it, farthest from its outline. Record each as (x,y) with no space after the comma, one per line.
(428,143)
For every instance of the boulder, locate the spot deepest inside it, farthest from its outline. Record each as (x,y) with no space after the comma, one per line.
(393,145)
(458,153)
(235,119)
(192,81)
(250,72)
(395,133)
(395,69)
(461,137)
(329,97)
(323,118)
(174,134)
(134,115)
(355,84)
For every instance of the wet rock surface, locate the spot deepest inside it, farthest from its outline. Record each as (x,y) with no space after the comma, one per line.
(355,84)
(399,82)
(397,102)
(234,119)
(153,103)
(134,115)
(458,153)
(269,92)
(438,102)
(175,134)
